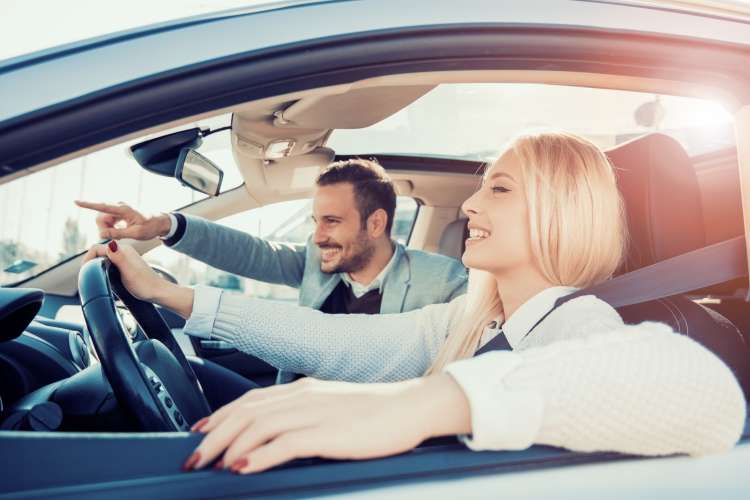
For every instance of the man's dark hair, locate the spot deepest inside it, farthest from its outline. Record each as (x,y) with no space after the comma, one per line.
(373,189)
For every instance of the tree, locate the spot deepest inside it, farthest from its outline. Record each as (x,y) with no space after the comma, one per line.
(9,253)
(73,239)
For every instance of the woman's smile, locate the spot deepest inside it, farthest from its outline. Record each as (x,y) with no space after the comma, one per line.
(476,235)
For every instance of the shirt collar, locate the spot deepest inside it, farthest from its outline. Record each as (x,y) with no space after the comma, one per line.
(525,317)
(358,289)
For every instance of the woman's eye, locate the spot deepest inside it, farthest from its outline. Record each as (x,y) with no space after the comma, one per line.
(499,189)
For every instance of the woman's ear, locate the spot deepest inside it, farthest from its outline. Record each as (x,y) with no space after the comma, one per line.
(376,223)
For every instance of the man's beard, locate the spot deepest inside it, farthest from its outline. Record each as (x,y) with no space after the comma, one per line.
(363,250)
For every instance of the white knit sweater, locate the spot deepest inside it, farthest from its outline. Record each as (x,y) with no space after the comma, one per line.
(582,380)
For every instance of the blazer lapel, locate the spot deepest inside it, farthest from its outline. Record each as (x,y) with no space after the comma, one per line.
(325,289)
(316,285)
(396,283)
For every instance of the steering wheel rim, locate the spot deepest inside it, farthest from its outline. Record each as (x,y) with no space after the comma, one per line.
(139,390)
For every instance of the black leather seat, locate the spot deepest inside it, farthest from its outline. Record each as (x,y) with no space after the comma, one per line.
(665,218)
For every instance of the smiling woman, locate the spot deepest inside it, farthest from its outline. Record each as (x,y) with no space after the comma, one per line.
(555,380)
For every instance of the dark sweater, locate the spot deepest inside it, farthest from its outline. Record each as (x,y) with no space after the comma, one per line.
(343,301)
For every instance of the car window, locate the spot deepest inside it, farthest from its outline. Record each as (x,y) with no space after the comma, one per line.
(40,226)
(287,221)
(461,120)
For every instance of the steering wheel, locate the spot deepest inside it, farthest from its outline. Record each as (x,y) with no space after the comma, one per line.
(152,380)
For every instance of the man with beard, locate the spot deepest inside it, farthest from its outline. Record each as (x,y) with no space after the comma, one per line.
(349,265)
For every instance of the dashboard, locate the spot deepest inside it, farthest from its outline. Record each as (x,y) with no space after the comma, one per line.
(50,376)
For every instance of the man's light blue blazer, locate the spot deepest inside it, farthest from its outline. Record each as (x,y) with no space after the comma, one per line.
(416,279)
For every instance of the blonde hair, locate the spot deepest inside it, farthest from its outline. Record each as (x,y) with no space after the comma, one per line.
(577,227)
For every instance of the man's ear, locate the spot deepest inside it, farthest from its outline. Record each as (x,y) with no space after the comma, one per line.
(376,223)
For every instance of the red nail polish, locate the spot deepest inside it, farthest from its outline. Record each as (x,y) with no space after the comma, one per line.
(219,464)
(113,245)
(199,425)
(239,465)
(191,461)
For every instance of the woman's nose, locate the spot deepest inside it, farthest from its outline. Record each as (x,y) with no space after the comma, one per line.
(471,205)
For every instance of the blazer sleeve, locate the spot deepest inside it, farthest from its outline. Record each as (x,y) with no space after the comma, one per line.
(243,254)
(352,347)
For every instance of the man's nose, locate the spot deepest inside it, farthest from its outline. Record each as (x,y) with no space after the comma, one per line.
(319,235)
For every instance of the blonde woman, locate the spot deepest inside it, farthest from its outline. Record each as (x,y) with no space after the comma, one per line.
(546,221)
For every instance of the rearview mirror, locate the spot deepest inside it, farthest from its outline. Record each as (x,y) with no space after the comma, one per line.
(159,155)
(198,172)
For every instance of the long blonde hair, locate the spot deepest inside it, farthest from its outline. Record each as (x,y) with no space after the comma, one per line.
(577,227)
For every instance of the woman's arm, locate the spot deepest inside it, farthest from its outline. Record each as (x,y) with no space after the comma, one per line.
(639,389)
(341,420)
(352,347)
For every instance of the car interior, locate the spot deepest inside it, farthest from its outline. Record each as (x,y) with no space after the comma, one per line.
(675,204)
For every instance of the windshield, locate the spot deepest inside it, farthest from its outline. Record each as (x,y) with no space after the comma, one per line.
(473,121)
(41,227)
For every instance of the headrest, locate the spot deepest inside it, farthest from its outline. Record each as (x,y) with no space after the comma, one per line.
(662,199)
(453,239)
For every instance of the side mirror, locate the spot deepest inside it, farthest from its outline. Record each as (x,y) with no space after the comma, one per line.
(198,172)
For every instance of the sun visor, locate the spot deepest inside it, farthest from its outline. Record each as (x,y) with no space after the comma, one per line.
(356,108)
(297,173)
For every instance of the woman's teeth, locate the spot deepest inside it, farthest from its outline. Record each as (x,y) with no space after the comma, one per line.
(478,234)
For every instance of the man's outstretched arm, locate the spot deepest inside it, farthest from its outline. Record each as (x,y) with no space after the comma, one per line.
(216,245)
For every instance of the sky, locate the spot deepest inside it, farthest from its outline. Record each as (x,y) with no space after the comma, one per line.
(30,25)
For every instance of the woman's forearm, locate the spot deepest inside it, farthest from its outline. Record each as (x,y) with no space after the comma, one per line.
(351,347)
(175,297)
(441,405)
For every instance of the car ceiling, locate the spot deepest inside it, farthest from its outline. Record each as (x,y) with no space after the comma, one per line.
(308,118)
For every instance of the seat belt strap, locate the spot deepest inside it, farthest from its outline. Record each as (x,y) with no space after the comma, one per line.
(683,273)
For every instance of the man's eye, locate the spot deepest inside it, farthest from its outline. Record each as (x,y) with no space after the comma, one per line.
(499,189)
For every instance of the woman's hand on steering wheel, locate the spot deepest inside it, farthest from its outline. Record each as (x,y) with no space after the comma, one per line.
(142,281)
(137,275)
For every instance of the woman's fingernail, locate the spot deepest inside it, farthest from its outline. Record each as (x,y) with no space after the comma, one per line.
(192,461)
(113,245)
(239,464)
(219,464)
(199,425)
